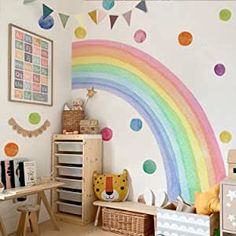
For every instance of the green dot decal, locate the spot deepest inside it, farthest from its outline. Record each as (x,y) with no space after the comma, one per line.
(225,14)
(34,118)
(149,166)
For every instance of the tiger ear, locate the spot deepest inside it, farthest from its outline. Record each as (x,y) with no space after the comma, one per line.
(125,172)
(95,174)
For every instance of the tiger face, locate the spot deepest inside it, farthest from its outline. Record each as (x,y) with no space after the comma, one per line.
(112,188)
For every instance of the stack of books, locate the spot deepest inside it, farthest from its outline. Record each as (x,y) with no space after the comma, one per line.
(17,172)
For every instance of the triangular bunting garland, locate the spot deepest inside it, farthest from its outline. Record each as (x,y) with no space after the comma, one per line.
(64,18)
(142,6)
(113,19)
(80,18)
(28,1)
(46,11)
(101,15)
(127,16)
(93,16)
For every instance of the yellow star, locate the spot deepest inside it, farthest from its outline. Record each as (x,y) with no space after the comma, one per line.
(91,92)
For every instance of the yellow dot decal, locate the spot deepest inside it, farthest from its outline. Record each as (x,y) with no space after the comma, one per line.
(80,32)
(225,136)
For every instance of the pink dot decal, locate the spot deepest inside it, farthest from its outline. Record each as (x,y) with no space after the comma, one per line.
(219,69)
(140,36)
(106,134)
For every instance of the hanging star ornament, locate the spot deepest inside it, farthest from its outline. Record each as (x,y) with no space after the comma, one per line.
(91,92)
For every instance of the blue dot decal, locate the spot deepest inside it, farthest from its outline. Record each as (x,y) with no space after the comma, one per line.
(136,124)
(46,23)
(108,4)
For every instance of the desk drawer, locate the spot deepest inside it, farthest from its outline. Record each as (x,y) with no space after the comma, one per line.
(70,183)
(69,195)
(69,171)
(69,208)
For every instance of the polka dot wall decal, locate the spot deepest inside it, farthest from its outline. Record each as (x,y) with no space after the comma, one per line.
(149,166)
(140,36)
(136,124)
(185,38)
(11,149)
(108,4)
(46,23)
(106,134)
(225,136)
(219,69)
(80,32)
(225,14)
(34,118)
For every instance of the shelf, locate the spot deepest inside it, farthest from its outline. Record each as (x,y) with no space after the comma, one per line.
(66,154)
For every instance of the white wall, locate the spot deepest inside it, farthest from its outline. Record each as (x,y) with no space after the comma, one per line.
(213,42)
(38,149)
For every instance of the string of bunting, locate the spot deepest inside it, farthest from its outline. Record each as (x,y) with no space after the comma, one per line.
(96,16)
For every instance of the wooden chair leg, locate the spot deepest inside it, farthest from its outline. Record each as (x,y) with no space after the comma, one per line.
(3,227)
(22,227)
(97,216)
(34,223)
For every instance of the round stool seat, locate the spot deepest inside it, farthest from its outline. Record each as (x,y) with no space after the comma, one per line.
(28,208)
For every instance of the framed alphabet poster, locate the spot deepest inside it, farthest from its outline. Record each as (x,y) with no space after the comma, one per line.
(30,67)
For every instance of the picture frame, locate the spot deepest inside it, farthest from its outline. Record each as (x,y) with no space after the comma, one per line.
(30,67)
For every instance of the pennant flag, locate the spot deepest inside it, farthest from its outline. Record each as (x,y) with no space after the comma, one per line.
(28,1)
(127,16)
(80,18)
(93,16)
(101,15)
(113,19)
(64,18)
(142,6)
(46,11)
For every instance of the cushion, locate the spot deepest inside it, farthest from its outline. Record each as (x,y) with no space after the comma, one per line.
(111,187)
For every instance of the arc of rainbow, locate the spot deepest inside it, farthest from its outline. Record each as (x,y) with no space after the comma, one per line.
(191,155)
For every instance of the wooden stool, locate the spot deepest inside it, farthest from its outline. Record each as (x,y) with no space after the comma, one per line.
(28,214)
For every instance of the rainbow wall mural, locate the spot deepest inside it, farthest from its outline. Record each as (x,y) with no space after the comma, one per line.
(189,149)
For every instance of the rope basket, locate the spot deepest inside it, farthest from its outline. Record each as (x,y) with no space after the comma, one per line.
(71,120)
(127,223)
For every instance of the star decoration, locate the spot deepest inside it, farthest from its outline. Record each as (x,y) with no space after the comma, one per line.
(228,204)
(231,218)
(91,92)
(231,195)
(234,224)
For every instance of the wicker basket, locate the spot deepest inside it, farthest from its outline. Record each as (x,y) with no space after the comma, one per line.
(71,120)
(127,223)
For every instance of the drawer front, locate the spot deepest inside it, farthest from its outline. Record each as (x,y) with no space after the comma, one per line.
(70,147)
(70,208)
(69,171)
(229,206)
(69,195)
(70,183)
(69,159)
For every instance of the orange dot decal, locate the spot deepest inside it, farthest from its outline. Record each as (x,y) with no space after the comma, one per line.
(11,149)
(185,38)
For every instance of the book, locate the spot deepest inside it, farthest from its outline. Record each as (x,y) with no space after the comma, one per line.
(3,175)
(27,173)
(17,170)
(7,174)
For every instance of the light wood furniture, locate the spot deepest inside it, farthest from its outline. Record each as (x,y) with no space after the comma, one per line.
(38,189)
(228,207)
(74,159)
(126,206)
(28,215)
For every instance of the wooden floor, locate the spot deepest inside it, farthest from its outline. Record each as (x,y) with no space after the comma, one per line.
(46,229)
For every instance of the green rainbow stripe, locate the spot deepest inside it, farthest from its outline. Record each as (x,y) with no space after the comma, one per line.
(187,142)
